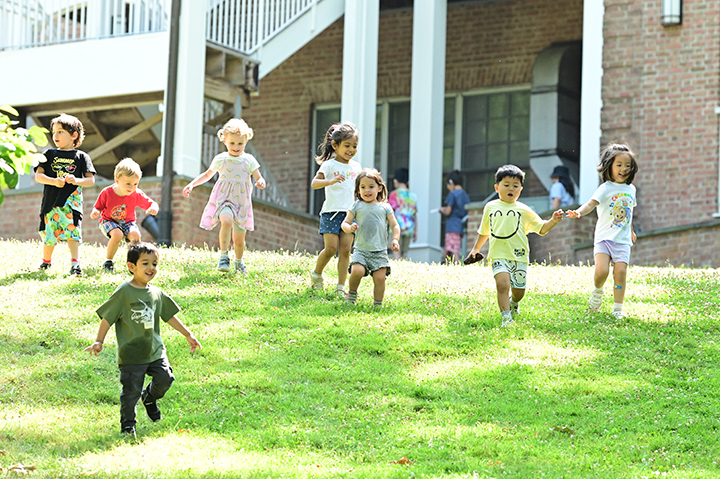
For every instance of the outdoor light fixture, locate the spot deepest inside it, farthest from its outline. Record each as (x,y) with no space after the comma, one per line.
(672,12)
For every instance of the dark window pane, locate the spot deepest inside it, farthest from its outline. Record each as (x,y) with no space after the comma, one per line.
(498,130)
(519,153)
(520,128)
(499,105)
(520,103)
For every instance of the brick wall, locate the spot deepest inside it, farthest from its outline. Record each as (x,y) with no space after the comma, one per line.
(274,228)
(489,45)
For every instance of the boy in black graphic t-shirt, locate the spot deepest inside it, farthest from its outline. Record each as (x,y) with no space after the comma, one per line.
(65,172)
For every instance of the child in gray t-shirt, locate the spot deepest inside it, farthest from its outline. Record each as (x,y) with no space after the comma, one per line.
(372,215)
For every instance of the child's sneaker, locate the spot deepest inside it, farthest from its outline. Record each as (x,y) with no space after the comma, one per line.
(108,266)
(340,289)
(595,300)
(76,270)
(506,319)
(45,266)
(224,264)
(153,411)
(351,297)
(317,280)
(128,431)
(240,267)
(618,313)
(514,308)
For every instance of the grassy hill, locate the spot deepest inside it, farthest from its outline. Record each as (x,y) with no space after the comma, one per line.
(292,383)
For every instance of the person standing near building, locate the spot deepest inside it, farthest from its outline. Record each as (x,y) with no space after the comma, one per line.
(455,211)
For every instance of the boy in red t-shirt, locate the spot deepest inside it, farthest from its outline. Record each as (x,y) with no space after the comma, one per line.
(117,204)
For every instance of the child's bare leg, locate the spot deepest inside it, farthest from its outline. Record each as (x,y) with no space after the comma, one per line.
(517,294)
(226,224)
(134,235)
(239,244)
(502,282)
(379,284)
(619,276)
(74,249)
(331,246)
(116,237)
(345,245)
(48,252)
(602,269)
(356,275)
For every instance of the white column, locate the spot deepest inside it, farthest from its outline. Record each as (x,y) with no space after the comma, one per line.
(190,91)
(591,97)
(427,103)
(359,81)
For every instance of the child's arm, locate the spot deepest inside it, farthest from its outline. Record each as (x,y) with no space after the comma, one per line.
(153,210)
(550,224)
(583,210)
(95,213)
(320,182)
(87,182)
(479,243)
(44,179)
(445,210)
(633,236)
(179,326)
(392,221)
(347,225)
(259,180)
(97,346)
(203,178)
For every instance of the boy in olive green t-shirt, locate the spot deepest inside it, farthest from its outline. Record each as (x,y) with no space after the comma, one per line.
(136,308)
(505,223)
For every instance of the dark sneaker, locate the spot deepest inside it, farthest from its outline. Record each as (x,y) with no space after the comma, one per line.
(108,266)
(128,431)
(75,270)
(153,411)
(45,266)
(224,264)
(240,267)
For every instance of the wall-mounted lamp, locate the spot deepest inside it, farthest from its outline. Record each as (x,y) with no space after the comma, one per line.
(672,12)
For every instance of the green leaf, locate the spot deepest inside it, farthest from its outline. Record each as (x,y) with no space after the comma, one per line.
(39,135)
(2,197)
(8,179)
(9,109)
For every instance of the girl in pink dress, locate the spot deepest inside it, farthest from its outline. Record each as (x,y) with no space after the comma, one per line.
(230,202)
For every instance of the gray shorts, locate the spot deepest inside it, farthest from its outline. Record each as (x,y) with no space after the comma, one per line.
(370,260)
(236,226)
(619,253)
(516,270)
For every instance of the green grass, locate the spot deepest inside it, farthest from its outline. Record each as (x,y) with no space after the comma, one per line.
(292,383)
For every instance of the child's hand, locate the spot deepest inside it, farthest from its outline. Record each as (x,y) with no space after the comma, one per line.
(95,348)
(194,343)
(260,183)
(152,210)
(71,179)
(187,190)
(572,214)
(59,182)
(339,178)
(354,227)
(395,246)
(95,213)
(558,215)
(633,236)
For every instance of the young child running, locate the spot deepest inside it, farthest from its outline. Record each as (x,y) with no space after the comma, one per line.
(136,308)
(615,200)
(65,172)
(117,204)
(506,223)
(230,202)
(404,204)
(372,215)
(337,175)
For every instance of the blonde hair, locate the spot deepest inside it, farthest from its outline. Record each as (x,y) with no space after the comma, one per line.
(70,124)
(237,126)
(127,167)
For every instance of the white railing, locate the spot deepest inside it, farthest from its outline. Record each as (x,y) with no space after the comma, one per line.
(245,25)
(33,23)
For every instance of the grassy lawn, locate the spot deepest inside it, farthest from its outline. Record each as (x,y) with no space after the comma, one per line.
(292,383)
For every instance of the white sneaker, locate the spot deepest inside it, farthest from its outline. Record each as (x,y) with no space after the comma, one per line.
(595,301)
(618,314)
(340,289)
(317,280)
(514,309)
(506,320)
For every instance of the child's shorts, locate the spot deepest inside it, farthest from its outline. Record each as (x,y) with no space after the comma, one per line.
(331,222)
(516,270)
(619,253)
(106,226)
(61,224)
(452,242)
(236,224)
(370,260)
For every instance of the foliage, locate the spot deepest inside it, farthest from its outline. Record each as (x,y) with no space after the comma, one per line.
(18,153)
(298,384)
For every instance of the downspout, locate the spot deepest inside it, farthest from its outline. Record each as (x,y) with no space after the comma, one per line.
(165,213)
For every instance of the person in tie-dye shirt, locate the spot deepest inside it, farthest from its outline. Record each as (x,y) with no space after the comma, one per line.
(404,204)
